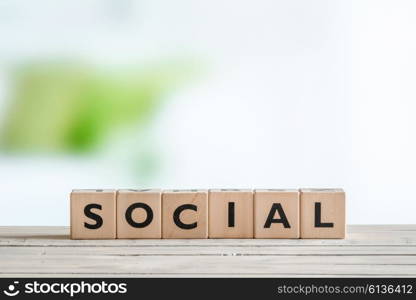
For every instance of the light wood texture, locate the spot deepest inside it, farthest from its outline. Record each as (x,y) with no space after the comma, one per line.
(322,213)
(368,250)
(144,214)
(100,220)
(240,223)
(185,214)
(279,205)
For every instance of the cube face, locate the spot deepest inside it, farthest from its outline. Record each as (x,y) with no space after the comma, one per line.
(139,214)
(193,214)
(230,213)
(322,213)
(185,214)
(93,214)
(276,214)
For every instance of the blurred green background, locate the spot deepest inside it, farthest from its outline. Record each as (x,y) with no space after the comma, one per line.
(73,107)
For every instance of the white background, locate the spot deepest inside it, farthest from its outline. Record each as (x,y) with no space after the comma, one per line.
(294,94)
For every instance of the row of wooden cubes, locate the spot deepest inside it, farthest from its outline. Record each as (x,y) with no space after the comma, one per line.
(201,214)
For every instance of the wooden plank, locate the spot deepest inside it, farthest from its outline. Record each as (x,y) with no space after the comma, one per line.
(201,265)
(369,250)
(59,236)
(213,251)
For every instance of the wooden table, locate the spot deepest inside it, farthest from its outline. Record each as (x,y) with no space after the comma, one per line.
(369,250)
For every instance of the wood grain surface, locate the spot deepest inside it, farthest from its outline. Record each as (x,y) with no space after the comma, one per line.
(368,250)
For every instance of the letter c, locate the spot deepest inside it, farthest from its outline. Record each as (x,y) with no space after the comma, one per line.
(177,213)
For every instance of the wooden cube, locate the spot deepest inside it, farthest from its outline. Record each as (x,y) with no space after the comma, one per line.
(139,214)
(93,214)
(322,213)
(230,213)
(185,214)
(276,214)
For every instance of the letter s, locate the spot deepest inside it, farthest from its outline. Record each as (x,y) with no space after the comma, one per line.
(88,213)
